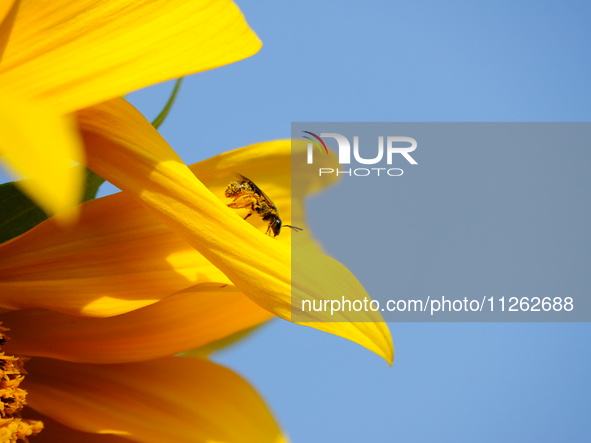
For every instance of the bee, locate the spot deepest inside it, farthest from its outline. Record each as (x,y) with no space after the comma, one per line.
(249,196)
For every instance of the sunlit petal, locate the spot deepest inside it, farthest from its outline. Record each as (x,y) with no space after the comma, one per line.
(195,317)
(167,400)
(77,53)
(41,145)
(141,163)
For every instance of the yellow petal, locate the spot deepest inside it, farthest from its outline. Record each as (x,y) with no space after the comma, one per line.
(195,317)
(174,399)
(117,257)
(136,159)
(73,54)
(41,145)
(311,271)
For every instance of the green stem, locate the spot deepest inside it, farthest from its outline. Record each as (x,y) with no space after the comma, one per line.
(164,113)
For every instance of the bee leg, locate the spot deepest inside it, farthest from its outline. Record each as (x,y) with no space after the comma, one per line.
(242,202)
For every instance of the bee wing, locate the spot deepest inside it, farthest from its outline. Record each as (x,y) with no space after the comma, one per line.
(257,190)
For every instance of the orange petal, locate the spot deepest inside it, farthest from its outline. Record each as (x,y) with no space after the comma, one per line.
(116,258)
(54,432)
(195,317)
(8,10)
(175,399)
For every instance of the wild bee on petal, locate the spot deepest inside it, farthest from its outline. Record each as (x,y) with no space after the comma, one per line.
(249,196)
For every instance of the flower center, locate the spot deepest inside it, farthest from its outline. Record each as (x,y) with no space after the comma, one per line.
(12,398)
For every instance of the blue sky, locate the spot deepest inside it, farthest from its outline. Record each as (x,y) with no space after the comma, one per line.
(404,61)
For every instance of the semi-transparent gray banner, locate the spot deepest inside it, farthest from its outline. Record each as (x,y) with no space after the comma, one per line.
(446,221)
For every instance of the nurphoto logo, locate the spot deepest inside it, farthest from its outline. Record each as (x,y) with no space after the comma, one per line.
(378,152)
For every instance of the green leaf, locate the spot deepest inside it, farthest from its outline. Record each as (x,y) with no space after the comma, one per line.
(19,213)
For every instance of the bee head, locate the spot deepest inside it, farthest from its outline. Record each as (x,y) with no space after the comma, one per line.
(276,226)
